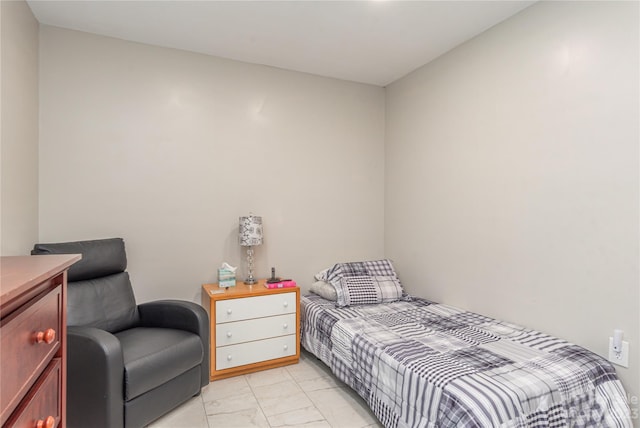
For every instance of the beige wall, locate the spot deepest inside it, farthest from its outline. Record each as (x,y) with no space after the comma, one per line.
(511,167)
(168,148)
(19,129)
(512,175)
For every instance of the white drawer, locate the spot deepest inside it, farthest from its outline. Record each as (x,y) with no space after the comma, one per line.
(255,329)
(255,307)
(253,352)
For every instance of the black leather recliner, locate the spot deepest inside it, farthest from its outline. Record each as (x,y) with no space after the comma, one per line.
(127,364)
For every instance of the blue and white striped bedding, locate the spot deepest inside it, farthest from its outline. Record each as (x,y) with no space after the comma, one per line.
(422,364)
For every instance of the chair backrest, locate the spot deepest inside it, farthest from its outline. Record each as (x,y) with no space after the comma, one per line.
(99,290)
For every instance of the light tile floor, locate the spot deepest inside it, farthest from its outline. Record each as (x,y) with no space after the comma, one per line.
(300,395)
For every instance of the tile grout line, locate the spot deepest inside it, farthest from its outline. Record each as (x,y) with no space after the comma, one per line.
(204,408)
(309,363)
(257,401)
(309,398)
(339,385)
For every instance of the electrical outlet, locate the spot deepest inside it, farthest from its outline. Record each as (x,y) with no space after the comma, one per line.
(622,358)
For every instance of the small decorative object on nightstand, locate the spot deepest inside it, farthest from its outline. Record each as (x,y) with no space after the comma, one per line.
(226,275)
(250,233)
(252,328)
(273,277)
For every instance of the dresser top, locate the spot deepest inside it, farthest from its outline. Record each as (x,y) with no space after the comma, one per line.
(18,274)
(243,290)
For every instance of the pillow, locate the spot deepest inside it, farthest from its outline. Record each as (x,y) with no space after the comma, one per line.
(362,283)
(322,275)
(367,290)
(324,290)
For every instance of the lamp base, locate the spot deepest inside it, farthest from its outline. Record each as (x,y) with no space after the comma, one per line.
(250,279)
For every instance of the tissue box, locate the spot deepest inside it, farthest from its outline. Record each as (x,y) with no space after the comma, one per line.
(226,278)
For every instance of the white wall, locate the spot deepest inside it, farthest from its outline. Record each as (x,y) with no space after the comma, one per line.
(511,167)
(512,175)
(167,148)
(19,129)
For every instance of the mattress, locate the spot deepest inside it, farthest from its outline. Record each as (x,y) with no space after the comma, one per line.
(422,364)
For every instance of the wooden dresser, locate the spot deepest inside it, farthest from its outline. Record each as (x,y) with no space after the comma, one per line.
(33,348)
(252,327)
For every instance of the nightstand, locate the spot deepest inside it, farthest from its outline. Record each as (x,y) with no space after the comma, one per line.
(252,327)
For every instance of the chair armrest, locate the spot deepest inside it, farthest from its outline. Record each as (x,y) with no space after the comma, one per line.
(95,375)
(178,314)
(181,315)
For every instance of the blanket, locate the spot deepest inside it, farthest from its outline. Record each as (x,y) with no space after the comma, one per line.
(423,364)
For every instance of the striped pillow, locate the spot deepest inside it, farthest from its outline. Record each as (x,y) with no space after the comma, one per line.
(367,290)
(364,283)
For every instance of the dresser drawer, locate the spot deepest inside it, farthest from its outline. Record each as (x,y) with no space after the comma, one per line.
(42,402)
(28,342)
(255,307)
(255,329)
(253,352)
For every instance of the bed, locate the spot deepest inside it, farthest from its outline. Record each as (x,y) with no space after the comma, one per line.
(422,364)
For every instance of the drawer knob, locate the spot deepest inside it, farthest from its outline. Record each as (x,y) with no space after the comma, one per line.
(229,358)
(50,422)
(285,326)
(286,347)
(229,334)
(47,336)
(286,304)
(229,311)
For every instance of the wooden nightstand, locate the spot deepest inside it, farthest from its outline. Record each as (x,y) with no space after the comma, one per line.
(252,327)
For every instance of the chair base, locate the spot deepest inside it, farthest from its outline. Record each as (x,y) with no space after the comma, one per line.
(150,406)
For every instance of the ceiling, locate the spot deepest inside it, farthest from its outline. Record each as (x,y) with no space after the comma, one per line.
(373,42)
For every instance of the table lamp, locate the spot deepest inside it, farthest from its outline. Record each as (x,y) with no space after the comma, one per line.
(250,232)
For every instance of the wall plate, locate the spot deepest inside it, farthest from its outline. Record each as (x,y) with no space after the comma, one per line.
(623,358)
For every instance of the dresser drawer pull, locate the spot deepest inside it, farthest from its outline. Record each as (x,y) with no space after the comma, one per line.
(285,326)
(229,334)
(286,304)
(50,422)
(229,358)
(286,347)
(47,336)
(229,311)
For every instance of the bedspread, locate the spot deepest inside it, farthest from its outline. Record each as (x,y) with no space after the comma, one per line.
(422,364)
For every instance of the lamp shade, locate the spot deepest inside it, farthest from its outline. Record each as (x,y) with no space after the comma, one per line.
(250,229)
